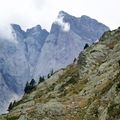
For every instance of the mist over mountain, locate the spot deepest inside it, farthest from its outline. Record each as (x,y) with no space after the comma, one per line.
(35,52)
(66,39)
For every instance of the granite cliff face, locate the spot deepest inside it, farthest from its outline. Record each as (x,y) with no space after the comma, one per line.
(86,90)
(17,60)
(35,52)
(67,38)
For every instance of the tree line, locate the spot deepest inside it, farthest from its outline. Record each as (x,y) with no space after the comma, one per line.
(31,86)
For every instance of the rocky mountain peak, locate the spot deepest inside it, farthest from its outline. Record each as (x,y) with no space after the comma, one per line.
(16,27)
(37,28)
(67,38)
(63,13)
(59,25)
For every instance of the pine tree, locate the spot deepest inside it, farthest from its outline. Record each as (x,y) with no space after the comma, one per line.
(14,103)
(32,82)
(74,60)
(41,79)
(48,76)
(10,106)
(119,62)
(30,86)
(86,46)
(26,90)
(52,72)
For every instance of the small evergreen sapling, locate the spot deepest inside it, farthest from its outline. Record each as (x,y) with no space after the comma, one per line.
(86,46)
(30,86)
(10,106)
(41,79)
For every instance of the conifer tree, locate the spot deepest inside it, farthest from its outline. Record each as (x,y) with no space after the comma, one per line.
(48,76)
(10,106)
(52,72)
(27,86)
(41,79)
(30,86)
(86,46)
(32,82)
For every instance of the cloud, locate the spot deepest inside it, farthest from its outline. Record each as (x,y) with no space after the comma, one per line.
(28,13)
(65,26)
(7,33)
(97,41)
(18,12)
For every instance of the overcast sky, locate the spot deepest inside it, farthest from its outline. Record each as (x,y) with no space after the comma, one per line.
(28,13)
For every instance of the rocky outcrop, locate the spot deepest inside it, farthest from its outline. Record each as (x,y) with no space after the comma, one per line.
(86,90)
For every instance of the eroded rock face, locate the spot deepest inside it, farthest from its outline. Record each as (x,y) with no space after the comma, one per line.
(17,60)
(86,90)
(66,40)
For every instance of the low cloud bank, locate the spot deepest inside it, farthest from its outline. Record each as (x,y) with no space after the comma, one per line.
(65,26)
(7,32)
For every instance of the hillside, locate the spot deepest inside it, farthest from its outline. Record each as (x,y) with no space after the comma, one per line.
(88,89)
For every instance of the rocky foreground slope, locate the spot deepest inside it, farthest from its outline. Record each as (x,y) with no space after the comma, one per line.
(86,90)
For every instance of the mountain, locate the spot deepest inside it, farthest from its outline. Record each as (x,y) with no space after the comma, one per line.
(67,38)
(86,90)
(34,42)
(35,52)
(17,60)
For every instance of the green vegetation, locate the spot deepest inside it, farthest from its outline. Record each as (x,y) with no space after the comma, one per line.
(114,110)
(86,46)
(118,76)
(41,79)
(11,105)
(12,118)
(118,87)
(30,86)
(119,62)
(50,74)
(118,84)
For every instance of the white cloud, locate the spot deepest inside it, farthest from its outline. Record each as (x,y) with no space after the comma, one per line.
(65,26)
(97,41)
(7,33)
(28,13)
(5,30)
